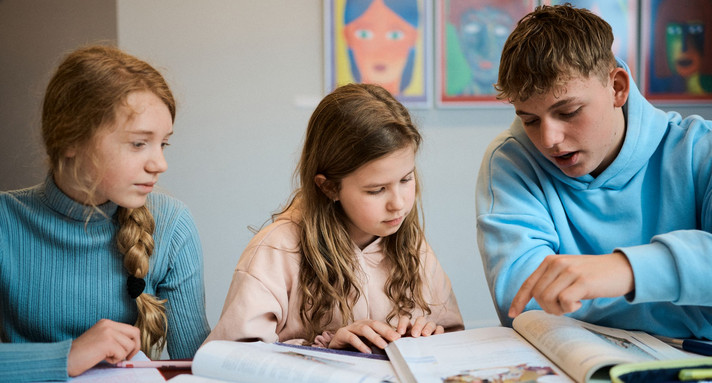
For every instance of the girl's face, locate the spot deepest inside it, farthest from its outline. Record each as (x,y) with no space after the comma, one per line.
(378,196)
(128,155)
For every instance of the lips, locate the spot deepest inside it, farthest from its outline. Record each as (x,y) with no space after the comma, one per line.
(394,222)
(147,187)
(566,159)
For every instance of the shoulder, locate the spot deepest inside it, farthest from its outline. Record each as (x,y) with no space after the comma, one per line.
(276,245)
(163,205)
(20,202)
(511,149)
(174,221)
(694,130)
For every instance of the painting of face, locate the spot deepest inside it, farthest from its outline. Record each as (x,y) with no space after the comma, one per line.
(472,34)
(678,50)
(482,35)
(381,43)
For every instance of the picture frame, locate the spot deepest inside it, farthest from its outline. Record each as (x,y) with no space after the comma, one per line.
(367,41)
(470,35)
(677,51)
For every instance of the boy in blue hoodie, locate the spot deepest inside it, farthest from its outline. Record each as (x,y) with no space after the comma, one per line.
(594,203)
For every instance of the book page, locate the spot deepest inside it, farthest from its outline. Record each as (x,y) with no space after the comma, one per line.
(586,351)
(494,354)
(107,373)
(263,362)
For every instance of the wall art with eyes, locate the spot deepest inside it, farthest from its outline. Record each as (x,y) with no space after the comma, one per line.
(385,42)
(469,41)
(677,47)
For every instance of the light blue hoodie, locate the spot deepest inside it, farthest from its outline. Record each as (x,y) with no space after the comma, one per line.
(653,203)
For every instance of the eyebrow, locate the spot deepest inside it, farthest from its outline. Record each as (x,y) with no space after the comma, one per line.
(553,106)
(370,186)
(147,132)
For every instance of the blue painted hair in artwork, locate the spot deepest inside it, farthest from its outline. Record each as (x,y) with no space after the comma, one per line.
(406,9)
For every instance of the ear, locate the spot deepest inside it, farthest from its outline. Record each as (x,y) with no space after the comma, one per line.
(621,86)
(327,187)
(71,152)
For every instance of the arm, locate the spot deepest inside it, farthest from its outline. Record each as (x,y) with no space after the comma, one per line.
(105,341)
(21,361)
(183,287)
(261,303)
(250,312)
(438,292)
(526,215)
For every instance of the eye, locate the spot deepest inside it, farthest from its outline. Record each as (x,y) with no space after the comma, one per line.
(530,122)
(138,145)
(395,35)
(570,114)
(164,145)
(364,34)
(375,192)
(407,179)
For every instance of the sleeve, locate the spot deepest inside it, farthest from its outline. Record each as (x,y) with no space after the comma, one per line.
(257,306)
(515,231)
(184,289)
(674,266)
(34,361)
(443,303)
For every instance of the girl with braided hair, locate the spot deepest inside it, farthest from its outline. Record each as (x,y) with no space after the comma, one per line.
(94,265)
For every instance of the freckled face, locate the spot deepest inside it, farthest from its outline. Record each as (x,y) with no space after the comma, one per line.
(128,155)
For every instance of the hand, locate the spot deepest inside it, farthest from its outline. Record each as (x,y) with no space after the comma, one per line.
(106,340)
(562,281)
(376,332)
(421,327)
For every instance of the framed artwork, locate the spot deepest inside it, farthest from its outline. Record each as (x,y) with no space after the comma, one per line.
(622,15)
(385,42)
(677,49)
(470,35)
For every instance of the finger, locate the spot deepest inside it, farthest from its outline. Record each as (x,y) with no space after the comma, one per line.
(403,324)
(345,337)
(356,342)
(429,329)
(376,339)
(439,330)
(526,291)
(550,297)
(418,326)
(524,295)
(384,330)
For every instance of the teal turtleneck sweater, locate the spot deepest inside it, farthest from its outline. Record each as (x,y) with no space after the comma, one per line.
(61,272)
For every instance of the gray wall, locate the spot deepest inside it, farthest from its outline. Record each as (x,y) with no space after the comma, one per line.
(246,75)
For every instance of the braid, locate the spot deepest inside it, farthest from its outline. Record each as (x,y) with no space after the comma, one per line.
(135,242)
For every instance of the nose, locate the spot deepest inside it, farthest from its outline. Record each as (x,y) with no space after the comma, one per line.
(157,163)
(550,133)
(396,201)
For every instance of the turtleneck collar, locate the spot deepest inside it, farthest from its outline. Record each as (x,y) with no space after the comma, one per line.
(55,198)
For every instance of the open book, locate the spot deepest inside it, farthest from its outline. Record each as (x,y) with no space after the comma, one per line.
(227,361)
(541,348)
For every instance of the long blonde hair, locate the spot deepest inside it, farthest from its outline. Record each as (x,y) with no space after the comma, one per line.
(353,125)
(82,98)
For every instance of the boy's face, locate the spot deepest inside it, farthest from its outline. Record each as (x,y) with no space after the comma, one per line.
(579,128)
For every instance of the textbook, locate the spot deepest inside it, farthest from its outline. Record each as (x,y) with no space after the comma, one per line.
(539,348)
(228,361)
